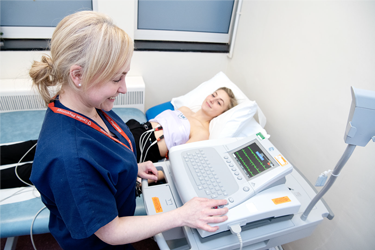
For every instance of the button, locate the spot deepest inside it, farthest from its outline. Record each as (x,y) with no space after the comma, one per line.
(208,192)
(233,169)
(239,178)
(236,173)
(230,199)
(226,157)
(246,189)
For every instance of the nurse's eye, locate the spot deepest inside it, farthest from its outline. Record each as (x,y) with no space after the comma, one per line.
(219,103)
(118,79)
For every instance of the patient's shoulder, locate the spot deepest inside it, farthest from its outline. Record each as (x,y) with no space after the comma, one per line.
(186,111)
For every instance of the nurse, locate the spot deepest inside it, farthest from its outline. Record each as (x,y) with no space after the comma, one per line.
(85,163)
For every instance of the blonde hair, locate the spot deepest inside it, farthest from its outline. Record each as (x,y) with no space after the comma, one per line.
(232,99)
(88,39)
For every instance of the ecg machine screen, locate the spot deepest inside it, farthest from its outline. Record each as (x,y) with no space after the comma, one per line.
(253,160)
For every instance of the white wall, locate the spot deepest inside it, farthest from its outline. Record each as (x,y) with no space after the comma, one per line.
(298,59)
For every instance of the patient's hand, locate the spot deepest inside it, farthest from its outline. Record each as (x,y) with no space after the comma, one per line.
(147,170)
(160,176)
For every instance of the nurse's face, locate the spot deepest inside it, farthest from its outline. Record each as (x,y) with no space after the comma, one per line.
(216,103)
(103,95)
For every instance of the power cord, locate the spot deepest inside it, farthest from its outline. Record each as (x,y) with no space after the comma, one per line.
(15,169)
(32,225)
(236,229)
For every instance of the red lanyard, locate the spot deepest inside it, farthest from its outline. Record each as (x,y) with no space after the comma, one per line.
(93,125)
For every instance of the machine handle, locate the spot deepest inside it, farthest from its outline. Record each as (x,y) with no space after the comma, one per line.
(144,183)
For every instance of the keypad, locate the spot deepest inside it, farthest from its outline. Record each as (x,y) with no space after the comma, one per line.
(204,175)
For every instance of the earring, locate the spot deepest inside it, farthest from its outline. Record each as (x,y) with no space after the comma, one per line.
(79,85)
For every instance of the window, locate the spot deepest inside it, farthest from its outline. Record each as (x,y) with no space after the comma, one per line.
(205,21)
(29,24)
(36,19)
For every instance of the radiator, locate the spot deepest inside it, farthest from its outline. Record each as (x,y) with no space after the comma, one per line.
(17,94)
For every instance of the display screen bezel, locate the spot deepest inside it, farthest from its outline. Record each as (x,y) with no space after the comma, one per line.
(264,151)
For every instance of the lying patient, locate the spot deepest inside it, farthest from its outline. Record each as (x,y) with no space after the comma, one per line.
(172,128)
(153,142)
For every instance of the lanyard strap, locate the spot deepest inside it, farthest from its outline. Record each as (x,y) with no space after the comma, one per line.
(93,125)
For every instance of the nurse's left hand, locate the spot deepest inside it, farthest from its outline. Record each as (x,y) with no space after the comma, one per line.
(147,170)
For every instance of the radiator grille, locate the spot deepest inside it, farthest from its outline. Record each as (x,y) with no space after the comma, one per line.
(21,102)
(25,102)
(130,98)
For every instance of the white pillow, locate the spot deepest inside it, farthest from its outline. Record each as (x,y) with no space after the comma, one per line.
(232,123)
(195,98)
(228,124)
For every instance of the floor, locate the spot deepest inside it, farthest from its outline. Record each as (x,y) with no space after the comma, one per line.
(47,242)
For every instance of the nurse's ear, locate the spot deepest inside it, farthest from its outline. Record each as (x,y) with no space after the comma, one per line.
(76,75)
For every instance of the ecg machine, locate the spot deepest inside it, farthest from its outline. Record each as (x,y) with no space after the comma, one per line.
(250,173)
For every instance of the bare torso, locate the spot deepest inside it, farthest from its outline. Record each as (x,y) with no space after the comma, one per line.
(199,130)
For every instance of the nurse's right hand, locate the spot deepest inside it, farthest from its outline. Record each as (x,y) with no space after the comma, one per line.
(199,212)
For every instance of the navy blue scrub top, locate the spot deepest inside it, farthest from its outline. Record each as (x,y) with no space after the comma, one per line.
(85,178)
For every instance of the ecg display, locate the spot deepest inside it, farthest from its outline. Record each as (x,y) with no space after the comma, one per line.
(253,160)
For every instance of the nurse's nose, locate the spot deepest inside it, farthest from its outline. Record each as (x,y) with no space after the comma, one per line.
(122,89)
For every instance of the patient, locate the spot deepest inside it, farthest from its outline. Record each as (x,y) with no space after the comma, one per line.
(153,142)
(171,128)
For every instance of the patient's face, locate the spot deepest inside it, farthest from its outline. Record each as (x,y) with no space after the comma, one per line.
(216,103)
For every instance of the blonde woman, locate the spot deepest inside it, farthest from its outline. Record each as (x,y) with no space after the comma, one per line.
(85,166)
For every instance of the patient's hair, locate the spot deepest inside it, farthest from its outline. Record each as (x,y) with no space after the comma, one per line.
(88,39)
(233,101)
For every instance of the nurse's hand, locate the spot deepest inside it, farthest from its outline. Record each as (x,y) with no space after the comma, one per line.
(198,212)
(147,170)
